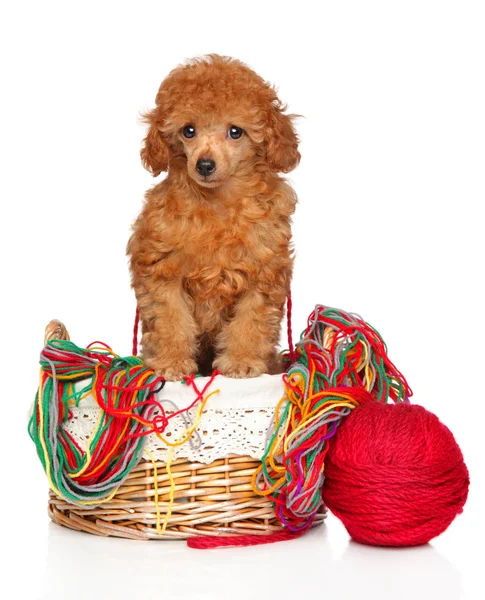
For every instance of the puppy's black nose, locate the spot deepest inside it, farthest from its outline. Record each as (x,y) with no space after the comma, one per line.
(205,166)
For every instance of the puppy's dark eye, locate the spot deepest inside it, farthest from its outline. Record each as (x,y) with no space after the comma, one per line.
(235,132)
(189,131)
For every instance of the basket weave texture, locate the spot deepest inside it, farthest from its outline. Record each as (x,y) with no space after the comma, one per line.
(213,499)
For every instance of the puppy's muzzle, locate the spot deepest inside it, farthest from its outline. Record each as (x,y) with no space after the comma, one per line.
(205,166)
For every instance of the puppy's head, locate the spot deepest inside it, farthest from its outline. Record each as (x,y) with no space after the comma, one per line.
(219,117)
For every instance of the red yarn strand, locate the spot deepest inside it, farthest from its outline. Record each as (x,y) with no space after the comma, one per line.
(209,542)
(135,332)
(289,307)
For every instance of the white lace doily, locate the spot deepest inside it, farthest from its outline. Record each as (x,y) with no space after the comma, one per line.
(234,421)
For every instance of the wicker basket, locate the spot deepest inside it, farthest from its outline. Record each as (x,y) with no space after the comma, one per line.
(213,499)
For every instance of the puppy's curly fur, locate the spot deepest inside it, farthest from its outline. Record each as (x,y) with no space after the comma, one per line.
(210,253)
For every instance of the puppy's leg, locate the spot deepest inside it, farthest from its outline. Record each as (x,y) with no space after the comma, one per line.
(247,343)
(169,340)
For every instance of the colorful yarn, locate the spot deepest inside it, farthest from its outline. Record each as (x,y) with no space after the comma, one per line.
(342,363)
(394,475)
(124,389)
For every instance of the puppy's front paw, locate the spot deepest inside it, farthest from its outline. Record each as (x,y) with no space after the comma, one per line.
(173,371)
(240,369)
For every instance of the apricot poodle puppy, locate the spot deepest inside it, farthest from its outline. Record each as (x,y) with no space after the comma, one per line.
(210,253)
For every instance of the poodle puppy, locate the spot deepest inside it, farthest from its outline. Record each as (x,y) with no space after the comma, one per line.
(210,254)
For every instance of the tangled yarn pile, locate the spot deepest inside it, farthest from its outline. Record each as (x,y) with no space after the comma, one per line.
(125,390)
(341,363)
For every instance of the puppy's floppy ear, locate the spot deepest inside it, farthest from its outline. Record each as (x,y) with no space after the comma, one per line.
(154,151)
(281,140)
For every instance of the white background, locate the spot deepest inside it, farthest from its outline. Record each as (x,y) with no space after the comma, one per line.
(389,224)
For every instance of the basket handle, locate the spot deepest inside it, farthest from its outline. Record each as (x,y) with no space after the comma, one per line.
(328,337)
(55,331)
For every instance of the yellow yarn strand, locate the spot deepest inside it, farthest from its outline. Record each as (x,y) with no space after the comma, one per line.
(190,430)
(42,441)
(182,439)
(155,485)
(171,494)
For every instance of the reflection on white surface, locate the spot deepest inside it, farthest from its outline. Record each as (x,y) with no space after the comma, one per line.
(396,573)
(84,566)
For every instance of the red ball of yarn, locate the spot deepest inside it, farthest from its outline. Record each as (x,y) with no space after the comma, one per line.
(394,475)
